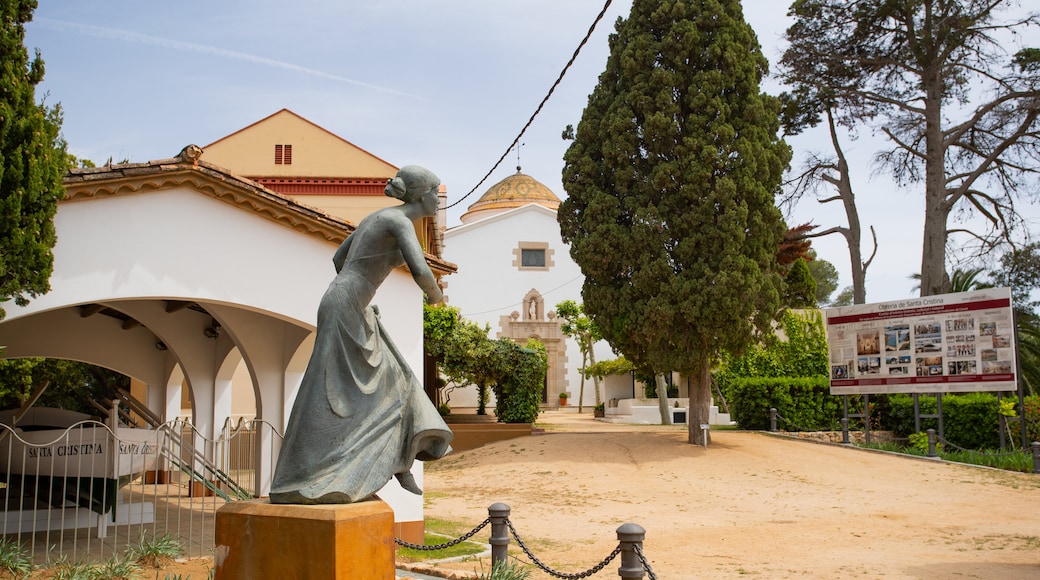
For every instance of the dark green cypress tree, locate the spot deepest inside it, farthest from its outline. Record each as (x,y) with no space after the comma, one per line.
(32,163)
(670,183)
(800,286)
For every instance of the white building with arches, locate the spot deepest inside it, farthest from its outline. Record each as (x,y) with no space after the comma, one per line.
(181,275)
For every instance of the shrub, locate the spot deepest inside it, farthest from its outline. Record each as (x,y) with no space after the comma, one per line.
(800,355)
(804,403)
(970,420)
(1032,413)
(519,392)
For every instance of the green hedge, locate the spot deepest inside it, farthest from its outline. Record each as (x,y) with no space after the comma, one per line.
(519,392)
(803,403)
(969,420)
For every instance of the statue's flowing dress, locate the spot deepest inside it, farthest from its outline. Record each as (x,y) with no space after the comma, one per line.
(361,415)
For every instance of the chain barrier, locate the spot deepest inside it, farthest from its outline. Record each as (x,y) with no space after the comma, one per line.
(556,573)
(635,546)
(646,565)
(448,544)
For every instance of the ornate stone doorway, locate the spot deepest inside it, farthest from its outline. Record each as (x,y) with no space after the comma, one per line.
(533,321)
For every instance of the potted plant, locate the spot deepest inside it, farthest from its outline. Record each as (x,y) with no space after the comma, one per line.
(563,398)
(599,410)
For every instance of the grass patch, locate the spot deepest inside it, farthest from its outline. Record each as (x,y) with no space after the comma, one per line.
(466,548)
(157,552)
(118,568)
(1008,461)
(446,527)
(15,558)
(508,570)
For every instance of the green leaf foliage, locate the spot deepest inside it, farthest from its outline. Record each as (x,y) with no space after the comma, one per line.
(803,403)
(518,393)
(826,277)
(799,351)
(795,364)
(71,384)
(576,325)
(33,163)
(970,420)
(618,366)
(670,182)
(465,355)
(799,287)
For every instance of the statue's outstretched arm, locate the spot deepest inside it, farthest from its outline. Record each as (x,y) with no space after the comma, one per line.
(416,261)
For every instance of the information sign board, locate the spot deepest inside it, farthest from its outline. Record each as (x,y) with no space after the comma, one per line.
(962,342)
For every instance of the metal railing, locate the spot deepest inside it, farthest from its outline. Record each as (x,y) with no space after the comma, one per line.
(630,547)
(87,493)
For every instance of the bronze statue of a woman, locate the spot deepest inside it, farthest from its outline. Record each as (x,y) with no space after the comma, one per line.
(361,415)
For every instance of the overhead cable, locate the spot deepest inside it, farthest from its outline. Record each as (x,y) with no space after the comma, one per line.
(540,105)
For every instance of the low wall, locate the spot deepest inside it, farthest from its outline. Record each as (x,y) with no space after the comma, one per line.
(472,431)
(836,436)
(646,412)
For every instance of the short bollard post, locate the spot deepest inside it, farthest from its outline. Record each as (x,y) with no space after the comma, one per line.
(1036,456)
(931,442)
(772,419)
(498,513)
(845,430)
(629,537)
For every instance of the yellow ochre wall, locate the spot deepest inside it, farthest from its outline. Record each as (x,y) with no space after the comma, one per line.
(315,151)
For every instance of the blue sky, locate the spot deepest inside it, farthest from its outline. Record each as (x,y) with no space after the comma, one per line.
(445,84)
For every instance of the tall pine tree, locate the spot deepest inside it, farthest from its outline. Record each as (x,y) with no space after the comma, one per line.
(32,163)
(670,183)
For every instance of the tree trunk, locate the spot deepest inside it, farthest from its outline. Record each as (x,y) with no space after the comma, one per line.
(933,250)
(854,233)
(700,405)
(581,389)
(595,380)
(662,400)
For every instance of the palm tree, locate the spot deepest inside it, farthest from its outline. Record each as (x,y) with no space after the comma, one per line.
(960,281)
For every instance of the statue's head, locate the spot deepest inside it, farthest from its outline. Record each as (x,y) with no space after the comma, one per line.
(410,183)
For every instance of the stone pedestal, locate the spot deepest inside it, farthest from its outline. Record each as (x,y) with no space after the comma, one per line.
(258,540)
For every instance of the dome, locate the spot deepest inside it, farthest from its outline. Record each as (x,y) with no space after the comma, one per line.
(512,192)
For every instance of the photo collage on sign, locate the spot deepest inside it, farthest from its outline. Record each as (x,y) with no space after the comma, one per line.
(995,347)
(868,353)
(961,343)
(897,350)
(928,360)
(930,348)
(840,355)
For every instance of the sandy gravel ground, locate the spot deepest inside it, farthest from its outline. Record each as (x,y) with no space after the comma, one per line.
(751,505)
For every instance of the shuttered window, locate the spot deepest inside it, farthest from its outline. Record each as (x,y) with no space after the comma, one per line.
(283,154)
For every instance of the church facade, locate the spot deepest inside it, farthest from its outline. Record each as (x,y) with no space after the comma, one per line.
(513,269)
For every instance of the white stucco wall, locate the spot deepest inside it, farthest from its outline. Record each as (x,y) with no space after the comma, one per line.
(179,244)
(488,285)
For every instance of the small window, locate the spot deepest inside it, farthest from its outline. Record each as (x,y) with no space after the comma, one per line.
(283,154)
(532,258)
